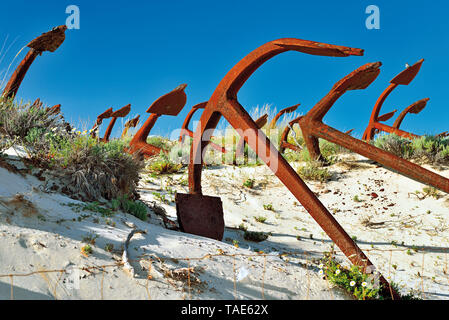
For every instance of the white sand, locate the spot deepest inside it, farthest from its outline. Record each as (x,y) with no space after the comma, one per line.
(43,236)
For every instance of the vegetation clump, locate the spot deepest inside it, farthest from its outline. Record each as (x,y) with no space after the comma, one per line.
(88,168)
(313,171)
(255,236)
(425,149)
(361,285)
(163,165)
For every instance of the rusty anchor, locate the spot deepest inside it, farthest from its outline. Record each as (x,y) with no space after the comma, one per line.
(276,118)
(169,104)
(284,144)
(375,125)
(100,118)
(414,108)
(56,109)
(49,41)
(37,104)
(132,123)
(121,113)
(185,131)
(313,128)
(203,215)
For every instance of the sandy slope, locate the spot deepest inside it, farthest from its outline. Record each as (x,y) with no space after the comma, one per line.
(42,232)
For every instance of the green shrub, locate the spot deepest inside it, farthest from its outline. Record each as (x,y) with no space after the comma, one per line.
(135,208)
(313,171)
(163,165)
(89,169)
(159,142)
(260,219)
(255,236)
(96,169)
(249,183)
(431,149)
(353,280)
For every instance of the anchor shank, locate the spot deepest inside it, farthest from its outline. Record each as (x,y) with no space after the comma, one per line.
(19,74)
(385,158)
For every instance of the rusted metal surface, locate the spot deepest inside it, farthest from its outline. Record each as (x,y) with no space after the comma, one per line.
(49,41)
(415,108)
(54,110)
(121,113)
(168,104)
(100,118)
(240,149)
(132,123)
(224,103)
(287,110)
(37,104)
(313,128)
(185,131)
(284,144)
(374,125)
(207,220)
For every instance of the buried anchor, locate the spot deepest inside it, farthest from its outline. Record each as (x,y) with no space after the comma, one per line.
(208,219)
(169,104)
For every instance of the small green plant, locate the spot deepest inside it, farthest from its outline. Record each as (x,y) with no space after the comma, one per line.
(431,192)
(135,208)
(90,239)
(86,250)
(249,183)
(255,236)
(109,247)
(351,279)
(110,222)
(356,198)
(163,165)
(260,219)
(268,207)
(243,227)
(161,197)
(313,171)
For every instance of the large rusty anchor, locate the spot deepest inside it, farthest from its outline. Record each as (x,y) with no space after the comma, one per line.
(121,113)
(132,123)
(49,41)
(185,131)
(203,215)
(99,121)
(375,125)
(313,128)
(414,108)
(276,118)
(284,144)
(169,104)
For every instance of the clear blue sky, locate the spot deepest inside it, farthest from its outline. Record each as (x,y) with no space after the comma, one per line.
(135,51)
